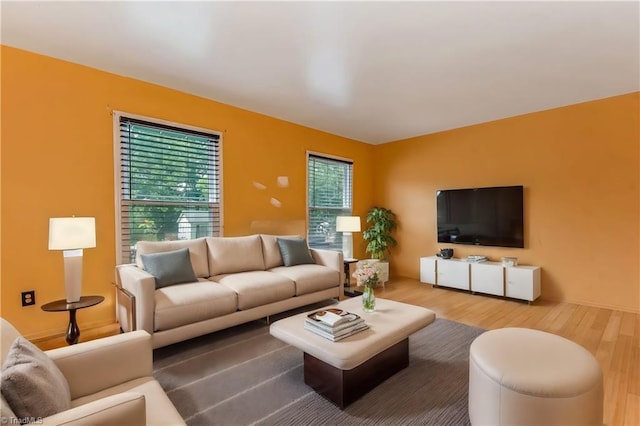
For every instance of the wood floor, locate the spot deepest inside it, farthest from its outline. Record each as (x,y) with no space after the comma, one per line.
(612,336)
(86,334)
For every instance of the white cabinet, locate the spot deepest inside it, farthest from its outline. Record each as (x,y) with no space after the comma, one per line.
(428,270)
(384,271)
(487,277)
(452,273)
(518,282)
(522,282)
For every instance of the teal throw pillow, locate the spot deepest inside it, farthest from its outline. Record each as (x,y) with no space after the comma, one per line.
(294,251)
(169,267)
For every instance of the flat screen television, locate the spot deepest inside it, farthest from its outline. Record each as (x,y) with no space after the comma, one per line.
(481,216)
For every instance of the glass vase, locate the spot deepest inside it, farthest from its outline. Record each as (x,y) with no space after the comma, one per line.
(368,299)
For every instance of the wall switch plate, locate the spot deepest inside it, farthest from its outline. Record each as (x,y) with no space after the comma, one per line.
(28,298)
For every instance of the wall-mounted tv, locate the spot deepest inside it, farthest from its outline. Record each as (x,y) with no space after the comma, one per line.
(481,216)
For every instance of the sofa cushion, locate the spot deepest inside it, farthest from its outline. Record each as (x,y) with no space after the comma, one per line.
(32,384)
(159,408)
(271,250)
(188,303)
(197,252)
(310,278)
(294,251)
(234,254)
(258,288)
(170,267)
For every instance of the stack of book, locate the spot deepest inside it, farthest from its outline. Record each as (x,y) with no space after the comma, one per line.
(474,258)
(334,324)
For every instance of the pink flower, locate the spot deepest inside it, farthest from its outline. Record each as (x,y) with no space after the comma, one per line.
(367,275)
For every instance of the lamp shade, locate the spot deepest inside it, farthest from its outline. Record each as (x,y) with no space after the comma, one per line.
(348,223)
(70,233)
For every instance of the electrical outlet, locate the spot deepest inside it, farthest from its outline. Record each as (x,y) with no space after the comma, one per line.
(28,298)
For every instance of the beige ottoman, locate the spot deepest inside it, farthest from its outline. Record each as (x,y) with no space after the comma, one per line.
(529,377)
(345,370)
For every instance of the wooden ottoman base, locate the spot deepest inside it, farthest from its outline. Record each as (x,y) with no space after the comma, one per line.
(342,387)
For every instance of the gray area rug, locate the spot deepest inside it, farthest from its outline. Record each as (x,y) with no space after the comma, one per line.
(243,376)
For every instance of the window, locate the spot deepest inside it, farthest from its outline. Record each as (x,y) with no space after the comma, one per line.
(330,188)
(167,181)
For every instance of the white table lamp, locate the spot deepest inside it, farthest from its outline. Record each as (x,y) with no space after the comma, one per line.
(347,225)
(72,234)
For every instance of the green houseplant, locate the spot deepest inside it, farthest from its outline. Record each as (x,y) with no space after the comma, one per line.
(378,235)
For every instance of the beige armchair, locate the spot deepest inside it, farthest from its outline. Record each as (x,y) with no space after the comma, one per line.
(110,381)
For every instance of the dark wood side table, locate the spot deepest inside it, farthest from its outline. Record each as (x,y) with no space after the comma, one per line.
(347,272)
(73,332)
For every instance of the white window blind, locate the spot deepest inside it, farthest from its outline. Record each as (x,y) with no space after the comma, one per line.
(330,189)
(169,183)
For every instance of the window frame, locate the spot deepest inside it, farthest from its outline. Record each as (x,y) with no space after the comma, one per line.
(119,190)
(345,160)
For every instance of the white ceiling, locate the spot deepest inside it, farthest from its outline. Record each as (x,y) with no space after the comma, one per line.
(371,71)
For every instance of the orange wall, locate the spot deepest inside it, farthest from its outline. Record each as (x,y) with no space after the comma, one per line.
(579,165)
(580,169)
(57,160)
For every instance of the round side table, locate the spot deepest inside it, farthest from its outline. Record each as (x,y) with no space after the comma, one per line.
(73,332)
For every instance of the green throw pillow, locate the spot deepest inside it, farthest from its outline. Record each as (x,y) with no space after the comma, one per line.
(169,267)
(294,251)
(32,384)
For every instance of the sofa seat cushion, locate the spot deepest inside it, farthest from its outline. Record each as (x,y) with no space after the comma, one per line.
(197,252)
(192,302)
(257,288)
(159,409)
(228,255)
(309,278)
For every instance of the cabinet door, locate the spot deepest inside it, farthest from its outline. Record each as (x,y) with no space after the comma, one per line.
(428,270)
(453,273)
(383,267)
(523,282)
(487,278)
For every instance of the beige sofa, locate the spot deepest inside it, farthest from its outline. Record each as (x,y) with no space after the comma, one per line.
(110,382)
(239,279)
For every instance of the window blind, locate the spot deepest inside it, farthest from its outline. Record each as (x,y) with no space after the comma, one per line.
(169,184)
(330,189)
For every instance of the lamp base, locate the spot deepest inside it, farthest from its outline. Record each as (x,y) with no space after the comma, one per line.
(72,275)
(347,245)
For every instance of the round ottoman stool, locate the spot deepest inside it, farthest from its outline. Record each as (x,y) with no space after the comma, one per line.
(521,376)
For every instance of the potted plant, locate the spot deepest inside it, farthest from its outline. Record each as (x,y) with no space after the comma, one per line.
(378,237)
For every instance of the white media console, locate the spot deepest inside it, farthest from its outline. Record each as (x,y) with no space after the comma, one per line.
(518,282)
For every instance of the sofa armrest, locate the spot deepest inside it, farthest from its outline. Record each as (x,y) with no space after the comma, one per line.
(127,408)
(332,259)
(99,364)
(142,285)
